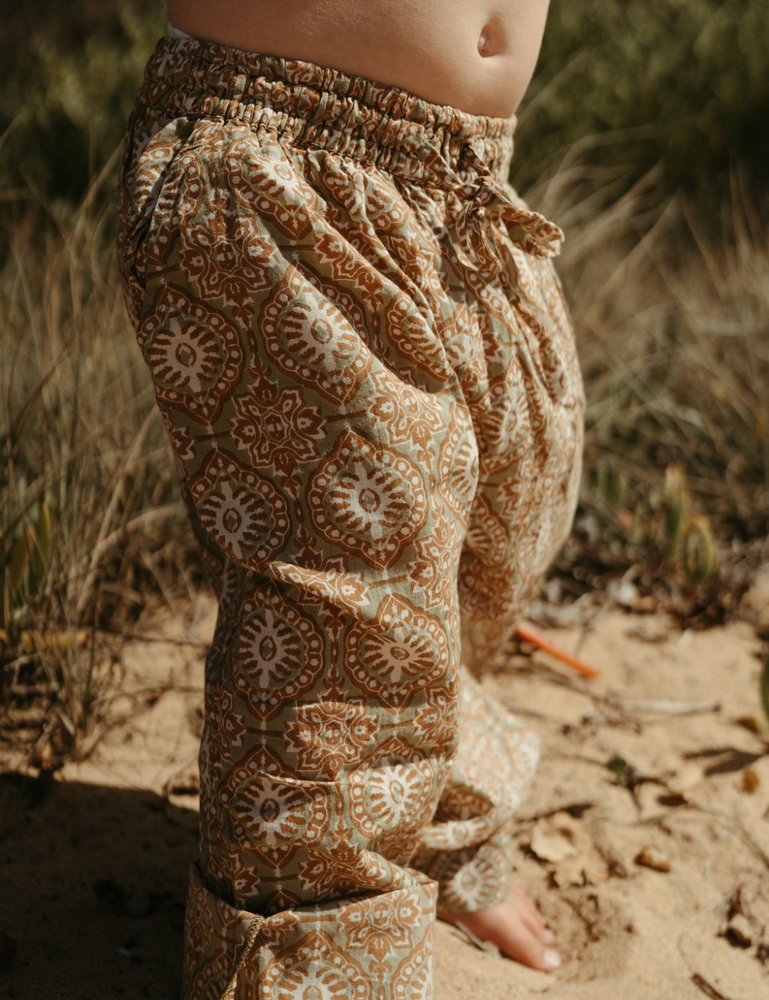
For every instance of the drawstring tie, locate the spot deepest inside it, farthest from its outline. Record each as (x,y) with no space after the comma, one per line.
(486,204)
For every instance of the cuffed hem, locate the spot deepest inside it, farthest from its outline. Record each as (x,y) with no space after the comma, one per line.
(370,946)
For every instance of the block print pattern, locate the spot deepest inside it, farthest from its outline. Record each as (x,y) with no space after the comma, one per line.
(362,356)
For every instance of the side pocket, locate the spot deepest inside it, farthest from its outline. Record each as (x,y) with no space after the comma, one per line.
(150,162)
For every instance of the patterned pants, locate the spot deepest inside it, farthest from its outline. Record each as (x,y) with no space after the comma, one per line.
(361,352)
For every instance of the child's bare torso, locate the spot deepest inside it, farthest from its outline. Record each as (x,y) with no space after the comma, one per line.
(477,55)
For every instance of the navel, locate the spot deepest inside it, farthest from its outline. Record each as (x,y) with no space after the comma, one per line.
(492,38)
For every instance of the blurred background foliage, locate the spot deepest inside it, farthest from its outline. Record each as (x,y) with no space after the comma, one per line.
(692,75)
(679,83)
(69,70)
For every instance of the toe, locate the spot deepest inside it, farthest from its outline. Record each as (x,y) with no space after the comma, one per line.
(532,916)
(525,902)
(526,947)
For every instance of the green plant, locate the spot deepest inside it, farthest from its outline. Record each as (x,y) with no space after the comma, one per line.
(68,100)
(680,83)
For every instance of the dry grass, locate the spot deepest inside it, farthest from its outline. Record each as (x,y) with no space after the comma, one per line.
(86,476)
(672,333)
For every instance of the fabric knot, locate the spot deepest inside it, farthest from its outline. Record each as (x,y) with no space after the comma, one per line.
(487,205)
(491,205)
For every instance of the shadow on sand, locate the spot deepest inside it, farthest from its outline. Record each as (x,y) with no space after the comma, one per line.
(92,890)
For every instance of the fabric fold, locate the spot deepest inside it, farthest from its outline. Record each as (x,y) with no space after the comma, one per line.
(366,948)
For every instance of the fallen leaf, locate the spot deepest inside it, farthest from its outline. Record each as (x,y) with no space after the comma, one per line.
(749,722)
(739,931)
(553,838)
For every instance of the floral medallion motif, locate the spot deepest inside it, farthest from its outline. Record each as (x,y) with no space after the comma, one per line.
(409,414)
(315,969)
(344,869)
(503,420)
(472,878)
(280,652)
(230,266)
(413,979)
(436,718)
(412,337)
(391,797)
(458,467)
(276,427)
(367,499)
(245,514)
(404,651)
(487,537)
(344,264)
(309,339)
(382,924)
(435,569)
(194,354)
(265,182)
(329,736)
(273,812)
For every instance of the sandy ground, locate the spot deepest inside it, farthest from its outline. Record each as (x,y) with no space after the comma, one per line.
(95,858)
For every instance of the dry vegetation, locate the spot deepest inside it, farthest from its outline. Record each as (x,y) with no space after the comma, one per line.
(91,519)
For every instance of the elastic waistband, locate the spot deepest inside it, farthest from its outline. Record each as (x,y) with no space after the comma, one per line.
(318,107)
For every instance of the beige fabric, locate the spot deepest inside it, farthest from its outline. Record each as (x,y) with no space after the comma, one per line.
(362,355)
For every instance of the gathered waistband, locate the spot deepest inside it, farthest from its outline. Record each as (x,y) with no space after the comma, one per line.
(319,107)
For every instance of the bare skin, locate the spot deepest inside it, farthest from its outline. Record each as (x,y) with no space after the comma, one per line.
(476,55)
(516,927)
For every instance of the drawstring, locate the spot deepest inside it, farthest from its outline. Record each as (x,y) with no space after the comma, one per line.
(486,201)
(253,930)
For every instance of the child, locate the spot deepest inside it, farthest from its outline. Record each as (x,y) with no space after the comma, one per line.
(362,355)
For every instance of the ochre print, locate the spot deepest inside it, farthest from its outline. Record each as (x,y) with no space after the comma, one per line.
(361,353)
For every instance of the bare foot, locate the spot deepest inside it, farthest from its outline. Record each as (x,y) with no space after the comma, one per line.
(516,927)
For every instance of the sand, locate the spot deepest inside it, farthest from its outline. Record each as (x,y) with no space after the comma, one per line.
(95,857)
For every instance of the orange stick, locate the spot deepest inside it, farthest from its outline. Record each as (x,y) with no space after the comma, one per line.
(530,633)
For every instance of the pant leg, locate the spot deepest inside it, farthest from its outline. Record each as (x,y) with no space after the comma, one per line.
(309,339)
(312,462)
(527,421)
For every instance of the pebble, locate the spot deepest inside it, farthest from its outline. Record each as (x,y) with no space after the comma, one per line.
(650,857)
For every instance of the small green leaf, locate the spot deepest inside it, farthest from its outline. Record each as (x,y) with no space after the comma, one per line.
(43,531)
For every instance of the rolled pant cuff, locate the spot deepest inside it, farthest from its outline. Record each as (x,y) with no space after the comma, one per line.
(375,946)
